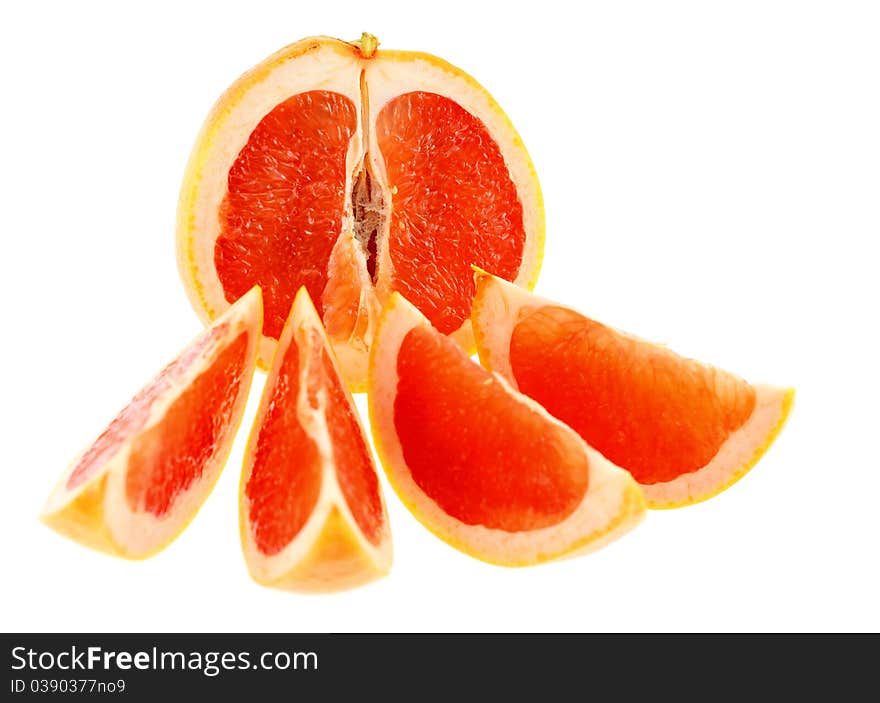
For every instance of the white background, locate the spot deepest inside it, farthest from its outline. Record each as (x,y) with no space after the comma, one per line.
(711,174)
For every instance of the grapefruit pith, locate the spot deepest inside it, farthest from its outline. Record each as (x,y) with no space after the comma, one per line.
(311,510)
(133,490)
(685,430)
(356,172)
(483,467)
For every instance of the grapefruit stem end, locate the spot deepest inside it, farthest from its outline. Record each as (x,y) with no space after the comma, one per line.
(366,45)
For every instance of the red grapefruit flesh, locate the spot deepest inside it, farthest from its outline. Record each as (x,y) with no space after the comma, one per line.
(444,218)
(284,203)
(457,463)
(165,461)
(311,510)
(140,483)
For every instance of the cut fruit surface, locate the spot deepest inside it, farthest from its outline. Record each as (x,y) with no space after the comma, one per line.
(444,216)
(311,510)
(285,196)
(685,430)
(356,173)
(140,483)
(483,467)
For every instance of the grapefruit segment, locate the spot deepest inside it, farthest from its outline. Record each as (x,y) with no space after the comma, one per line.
(483,467)
(140,483)
(311,510)
(284,198)
(454,203)
(685,430)
(355,172)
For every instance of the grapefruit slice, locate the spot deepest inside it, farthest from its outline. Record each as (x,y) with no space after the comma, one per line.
(134,489)
(483,467)
(685,430)
(311,510)
(356,172)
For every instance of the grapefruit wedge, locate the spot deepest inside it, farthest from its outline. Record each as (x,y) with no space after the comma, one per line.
(355,172)
(311,510)
(137,486)
(685,430)
(483,467)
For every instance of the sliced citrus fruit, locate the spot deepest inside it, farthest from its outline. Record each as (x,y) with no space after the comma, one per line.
(685,430)
(141,482)
(484,467)
(356,172)
(311,510)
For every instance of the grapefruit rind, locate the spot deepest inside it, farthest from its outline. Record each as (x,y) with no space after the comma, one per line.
(330,552)
(737,456)
(499,306)
(612,505)
(96,513)
(494,314)
(332,64)
(336,561)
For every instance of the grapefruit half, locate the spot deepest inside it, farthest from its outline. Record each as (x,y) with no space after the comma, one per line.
(356,172)
(684,429)
(311,510)
(480,465)
(138,485)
